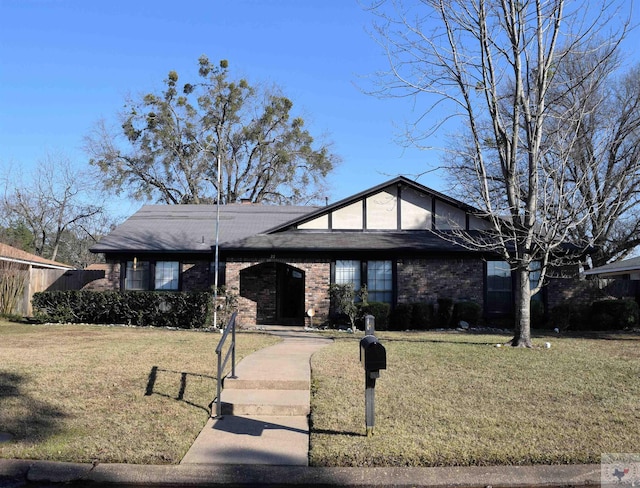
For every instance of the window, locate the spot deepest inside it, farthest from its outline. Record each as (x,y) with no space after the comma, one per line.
(534,278)
(499,285)
(167,275)
(137,275)
(499,292)
(378,276)
(380,281)
(150,275)
(348,271)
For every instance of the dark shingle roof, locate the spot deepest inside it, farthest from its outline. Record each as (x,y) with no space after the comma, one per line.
(618,268)
(192,228)
(423,241)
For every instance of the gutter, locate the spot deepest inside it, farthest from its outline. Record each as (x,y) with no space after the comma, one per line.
(35,263)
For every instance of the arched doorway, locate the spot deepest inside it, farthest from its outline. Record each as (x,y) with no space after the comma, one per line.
(278,290)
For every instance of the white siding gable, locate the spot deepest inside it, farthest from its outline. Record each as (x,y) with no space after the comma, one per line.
(396,208)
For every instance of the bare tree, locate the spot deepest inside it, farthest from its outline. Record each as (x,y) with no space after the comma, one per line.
(493,63)
(13,277)
(53,202)
(604,161)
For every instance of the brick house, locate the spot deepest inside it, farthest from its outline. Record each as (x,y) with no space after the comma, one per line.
(280,260)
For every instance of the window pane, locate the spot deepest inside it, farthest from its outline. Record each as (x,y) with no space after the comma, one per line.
(499,295)
(167,274)
(348,271)
(137,275)
(534,277)
(380,281)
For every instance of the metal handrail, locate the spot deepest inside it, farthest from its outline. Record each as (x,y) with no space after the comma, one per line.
(231,327)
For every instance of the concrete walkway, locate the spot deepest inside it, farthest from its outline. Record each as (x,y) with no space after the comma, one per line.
(265,409)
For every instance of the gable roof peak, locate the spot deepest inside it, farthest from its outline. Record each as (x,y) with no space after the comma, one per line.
(398,181)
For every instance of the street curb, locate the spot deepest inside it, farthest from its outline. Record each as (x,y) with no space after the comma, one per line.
(255,475)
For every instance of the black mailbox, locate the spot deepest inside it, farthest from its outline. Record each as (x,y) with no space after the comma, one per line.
(373,355)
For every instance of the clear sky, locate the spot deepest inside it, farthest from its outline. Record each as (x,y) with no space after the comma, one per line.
(64,64)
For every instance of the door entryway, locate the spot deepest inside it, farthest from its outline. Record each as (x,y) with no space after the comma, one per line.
(278,291)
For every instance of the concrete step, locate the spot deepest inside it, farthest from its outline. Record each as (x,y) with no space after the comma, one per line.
(266,384)
(265,402)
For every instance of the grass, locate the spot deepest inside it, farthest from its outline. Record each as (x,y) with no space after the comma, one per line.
(456,399)
(107,394)
(131,395)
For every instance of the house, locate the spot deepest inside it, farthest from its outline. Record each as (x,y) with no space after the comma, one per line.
(281,259)
(628,269)
(620,279)
(28,274)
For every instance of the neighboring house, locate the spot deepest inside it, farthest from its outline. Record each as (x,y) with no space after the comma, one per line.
(280,260)
(620,279)
(35,273)
(627,269)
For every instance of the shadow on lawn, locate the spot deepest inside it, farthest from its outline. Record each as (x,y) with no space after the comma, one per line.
(436,341)
(180,396)
(337,432)
(23,416)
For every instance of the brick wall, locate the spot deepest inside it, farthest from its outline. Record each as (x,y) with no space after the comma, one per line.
(111,279)
(258,285)
(254,303)
(196,276)
(426,280)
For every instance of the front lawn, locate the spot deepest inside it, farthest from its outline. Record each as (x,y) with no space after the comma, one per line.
(109,394)
(456,399)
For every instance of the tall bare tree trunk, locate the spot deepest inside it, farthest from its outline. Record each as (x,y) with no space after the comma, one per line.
(522,332)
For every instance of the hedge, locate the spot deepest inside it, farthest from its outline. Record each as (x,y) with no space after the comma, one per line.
(614,314)
(467,311)
(380,312)
(444,314)
(186,310)
(600,315)
(401,317)
(422,316)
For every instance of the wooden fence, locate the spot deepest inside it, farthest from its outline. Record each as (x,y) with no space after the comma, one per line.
(54,280)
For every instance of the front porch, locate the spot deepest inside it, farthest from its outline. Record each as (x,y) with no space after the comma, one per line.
(279,292)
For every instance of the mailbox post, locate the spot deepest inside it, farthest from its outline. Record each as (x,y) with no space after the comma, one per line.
(373,357)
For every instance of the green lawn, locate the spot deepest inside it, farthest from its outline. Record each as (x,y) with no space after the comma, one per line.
(110,394)
(456,399)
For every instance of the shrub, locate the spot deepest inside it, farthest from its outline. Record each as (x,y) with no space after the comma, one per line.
(185,310)
(422,316)
(569,316)
(468,311)
(601,321)
(444,315)
(401,317)
(537,314)
(343,300)
(623,313)
(380,312)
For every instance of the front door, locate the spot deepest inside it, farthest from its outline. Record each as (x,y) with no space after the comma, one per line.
(290,295)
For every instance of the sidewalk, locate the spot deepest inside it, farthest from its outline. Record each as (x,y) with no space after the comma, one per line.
(265,409)
(47,474)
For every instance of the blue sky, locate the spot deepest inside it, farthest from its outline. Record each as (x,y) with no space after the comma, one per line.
(64,64)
